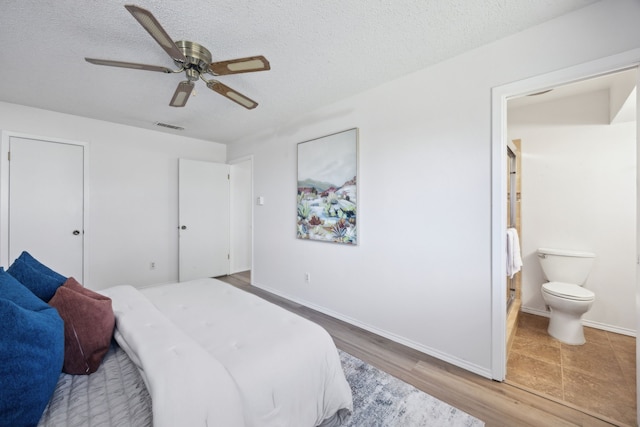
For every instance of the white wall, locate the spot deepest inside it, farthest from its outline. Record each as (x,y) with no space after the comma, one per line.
(421,273)
(579,192)
(133,192)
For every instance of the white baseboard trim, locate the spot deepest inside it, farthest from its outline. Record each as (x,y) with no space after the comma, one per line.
(605,327)
(535,311)
(589,323)
(386,334)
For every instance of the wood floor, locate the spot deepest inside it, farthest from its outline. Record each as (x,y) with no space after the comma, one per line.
(495,403)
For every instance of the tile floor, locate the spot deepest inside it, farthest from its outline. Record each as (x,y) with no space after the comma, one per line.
(599,376)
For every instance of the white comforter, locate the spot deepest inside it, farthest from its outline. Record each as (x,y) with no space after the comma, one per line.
(212,354)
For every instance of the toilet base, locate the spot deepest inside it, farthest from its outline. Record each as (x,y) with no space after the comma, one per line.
(566,328)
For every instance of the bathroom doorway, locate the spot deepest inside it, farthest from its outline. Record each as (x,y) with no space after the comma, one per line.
(500,94)
(578,144)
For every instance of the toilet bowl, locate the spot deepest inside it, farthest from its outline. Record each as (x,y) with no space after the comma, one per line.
(567,302)
(566,272)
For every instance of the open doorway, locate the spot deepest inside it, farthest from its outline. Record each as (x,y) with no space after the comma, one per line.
(500,95)
(241,221)
(578,148)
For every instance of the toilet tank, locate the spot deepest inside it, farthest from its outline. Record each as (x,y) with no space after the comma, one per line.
(562,265)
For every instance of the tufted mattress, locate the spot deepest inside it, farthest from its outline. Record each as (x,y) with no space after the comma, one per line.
(211,354)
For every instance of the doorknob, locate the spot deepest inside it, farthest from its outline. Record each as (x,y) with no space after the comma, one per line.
(184,227)
(76,232)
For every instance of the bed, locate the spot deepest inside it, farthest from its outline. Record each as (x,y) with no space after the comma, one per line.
(204,353)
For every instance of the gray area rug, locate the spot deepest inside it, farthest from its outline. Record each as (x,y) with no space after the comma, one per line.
(381,400)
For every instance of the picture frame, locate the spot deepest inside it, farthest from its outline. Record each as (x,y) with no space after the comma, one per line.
(327,196)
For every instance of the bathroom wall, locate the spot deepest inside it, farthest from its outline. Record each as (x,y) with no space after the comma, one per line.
(579,192)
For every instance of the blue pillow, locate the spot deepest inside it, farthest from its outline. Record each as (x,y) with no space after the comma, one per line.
(37,277)
(31,353)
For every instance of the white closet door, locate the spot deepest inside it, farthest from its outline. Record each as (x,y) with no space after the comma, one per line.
(46,203)
(204,219)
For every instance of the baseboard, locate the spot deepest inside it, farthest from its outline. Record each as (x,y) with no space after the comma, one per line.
(605,327)
(589,323)
(386,334)
(535,311)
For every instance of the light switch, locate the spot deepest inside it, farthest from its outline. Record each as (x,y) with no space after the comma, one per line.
(260,200)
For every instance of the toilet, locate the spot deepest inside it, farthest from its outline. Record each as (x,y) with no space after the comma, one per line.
(566,272)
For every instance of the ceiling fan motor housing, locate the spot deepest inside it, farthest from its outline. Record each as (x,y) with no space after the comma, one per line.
(198,58)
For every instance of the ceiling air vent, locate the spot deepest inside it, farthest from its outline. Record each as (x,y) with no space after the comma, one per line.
(166,125)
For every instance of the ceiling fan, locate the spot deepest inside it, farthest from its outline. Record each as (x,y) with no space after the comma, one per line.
(193,59)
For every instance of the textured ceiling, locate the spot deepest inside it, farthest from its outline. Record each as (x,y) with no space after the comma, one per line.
(320,52)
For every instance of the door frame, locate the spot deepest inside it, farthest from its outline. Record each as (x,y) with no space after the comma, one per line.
(4,196)
(499,96)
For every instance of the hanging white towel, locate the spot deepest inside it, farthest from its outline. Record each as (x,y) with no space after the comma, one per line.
(514,259)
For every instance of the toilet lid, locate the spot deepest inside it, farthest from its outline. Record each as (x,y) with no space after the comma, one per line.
(568,291)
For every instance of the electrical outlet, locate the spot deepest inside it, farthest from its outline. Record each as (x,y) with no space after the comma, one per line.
(152,266)
(307,277)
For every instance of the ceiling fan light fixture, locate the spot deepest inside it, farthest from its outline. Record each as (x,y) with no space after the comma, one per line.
(192,74)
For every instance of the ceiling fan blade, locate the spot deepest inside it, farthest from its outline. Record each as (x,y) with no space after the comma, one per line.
(240,65)
(153,27)
(237,97)
(181,95)
(128,65)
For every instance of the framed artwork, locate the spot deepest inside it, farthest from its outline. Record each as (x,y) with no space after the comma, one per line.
(328,188)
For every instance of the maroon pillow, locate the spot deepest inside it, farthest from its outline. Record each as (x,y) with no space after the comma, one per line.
(88,326)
